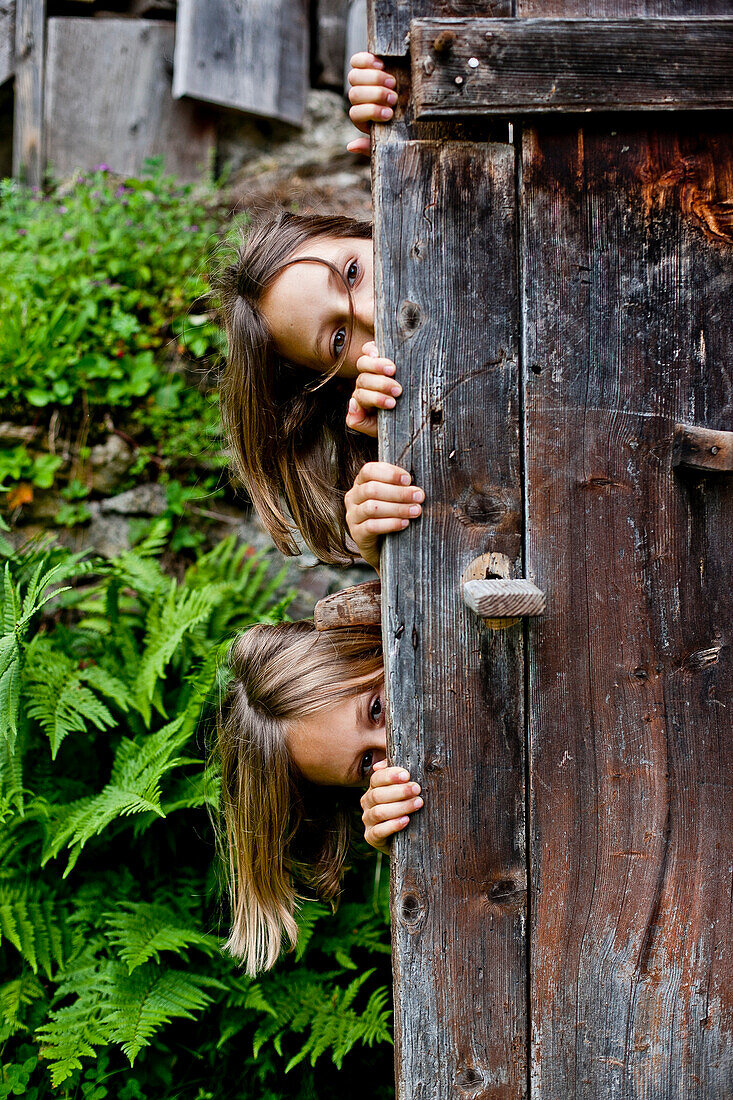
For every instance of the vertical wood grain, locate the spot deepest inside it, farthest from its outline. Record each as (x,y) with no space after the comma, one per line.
(627,248)
(445,282)
(30,49)
(251,56)
(7,39)
(389,20)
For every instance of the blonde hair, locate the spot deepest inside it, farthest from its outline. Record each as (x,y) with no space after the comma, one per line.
(287,432)
(280,830)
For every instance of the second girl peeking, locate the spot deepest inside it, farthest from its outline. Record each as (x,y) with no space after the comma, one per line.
(297,306)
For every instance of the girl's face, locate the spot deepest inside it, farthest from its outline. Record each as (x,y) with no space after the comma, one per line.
(338,746)
(307,306)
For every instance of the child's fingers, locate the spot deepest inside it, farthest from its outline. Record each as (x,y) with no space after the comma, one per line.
(361,114)
(372,526)
(376,383)
(365,60)
(377,815)
(390,793)
(374,364)
(361,421)
(384,472)
(383,491)
(376,94)
(384,773)
(362,146)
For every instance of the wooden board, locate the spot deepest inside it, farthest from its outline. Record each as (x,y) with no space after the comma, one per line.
(446,294)
(389,20)
(7,39)
(504,66)
(628,261)
(252,56)
(118,72)
(30,49)
(330,44)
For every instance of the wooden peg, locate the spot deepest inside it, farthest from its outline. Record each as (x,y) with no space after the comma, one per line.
(498,599)
(702,449)
(356,606)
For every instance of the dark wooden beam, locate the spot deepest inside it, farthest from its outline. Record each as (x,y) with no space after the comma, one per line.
(446,298)
(703,449)
(30,52)
(527,66)
(389,21)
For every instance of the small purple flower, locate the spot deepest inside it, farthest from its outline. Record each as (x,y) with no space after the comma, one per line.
(102,168)
(35,190)
(22,232)
(193,229)
(68,235)
(122,190)
(63,210)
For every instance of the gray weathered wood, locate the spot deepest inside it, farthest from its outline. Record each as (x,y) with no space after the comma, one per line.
(627,270)
(330,44)
(389,20)
(119,70)
(7,39)
(360,605)
(497,599)
(252,56)
(499,66)
(445,283)
(30,50)
(357,36)
(702,449)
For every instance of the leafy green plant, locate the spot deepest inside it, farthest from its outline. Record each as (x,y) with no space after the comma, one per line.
(113,981)
(95,278)
(18,464)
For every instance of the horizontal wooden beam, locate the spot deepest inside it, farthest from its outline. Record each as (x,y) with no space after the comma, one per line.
(499,599)
(702,449)
(357,606)
(528,66)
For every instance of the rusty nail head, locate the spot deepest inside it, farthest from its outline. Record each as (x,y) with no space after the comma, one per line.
(714,450)
(459,80)
(473,63)
(488,36)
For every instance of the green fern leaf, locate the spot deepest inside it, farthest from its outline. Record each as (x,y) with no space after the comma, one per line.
(139,1004)
(59,701)
(15,996)
(141,931)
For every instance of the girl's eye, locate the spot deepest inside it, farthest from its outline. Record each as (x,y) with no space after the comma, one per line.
(366,764)
(375,710)
(351,272)
(338,342)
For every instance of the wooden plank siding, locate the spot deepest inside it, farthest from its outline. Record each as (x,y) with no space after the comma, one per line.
(500,66)
(627,261)
(446,312)
(389,20)
(253,57)
(30,51)
(7,39)
(117,72)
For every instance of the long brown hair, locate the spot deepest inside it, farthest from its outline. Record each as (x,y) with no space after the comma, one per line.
(287,434)
(280,830)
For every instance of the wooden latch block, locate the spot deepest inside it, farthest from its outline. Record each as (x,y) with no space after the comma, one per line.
(504,599)
(702,449)
(528,66)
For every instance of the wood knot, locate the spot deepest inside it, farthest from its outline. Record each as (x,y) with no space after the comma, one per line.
(412,911)
(444,42)
(436,418)
(409,318)
(468,1078)
(481,507)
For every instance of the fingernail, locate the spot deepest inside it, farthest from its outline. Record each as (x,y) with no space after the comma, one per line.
(390,82)
(403,776)
(378,64)
(414,509)
(352,405)
(392,97)
(389,402)
(418,803)
(404,523)
(390,368)
(386,112)
(418,495)
(397,390)
(404,821)
(405,479)
(416,788)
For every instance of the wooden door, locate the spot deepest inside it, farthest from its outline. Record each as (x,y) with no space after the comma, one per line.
(600,734)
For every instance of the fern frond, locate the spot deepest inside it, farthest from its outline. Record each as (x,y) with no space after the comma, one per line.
(137,1005)
(36,926)
(15,996)
(167,624)
(140,931)
(134,788)
(73,1031)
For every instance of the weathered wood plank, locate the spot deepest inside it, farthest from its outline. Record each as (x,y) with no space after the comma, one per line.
(360,605)
(330,44)
(389,20)
(119,69)
(628,261)
(504,599)
(30,50)
(702,449)
(499,66)
(7,39)
(253,56)
(447,314)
